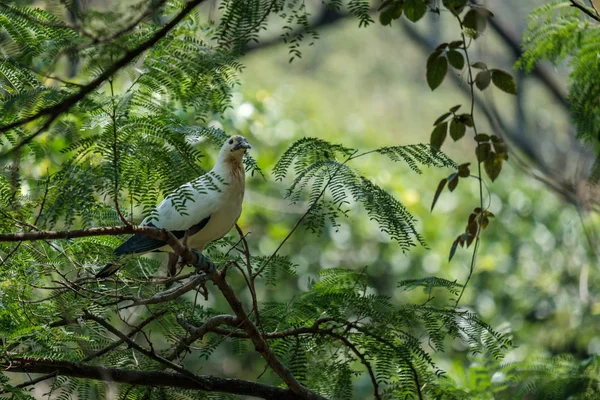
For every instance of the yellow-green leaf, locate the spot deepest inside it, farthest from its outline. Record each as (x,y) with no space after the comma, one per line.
(493,166)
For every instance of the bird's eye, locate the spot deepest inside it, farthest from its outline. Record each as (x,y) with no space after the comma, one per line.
(230,141)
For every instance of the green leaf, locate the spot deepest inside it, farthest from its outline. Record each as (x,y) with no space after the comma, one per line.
(386,15)
(455,6)
(499,147)
(456,59)
(463,170)
(433,57)
(439,135)
(479,65)
(384,4)
(475,21)
(493,165)
(456,44)
(457,129)
(504,81)
(441,119)
(466,119)
(484,12)
(398,8)
(482,137)
(438,192)
(453,181)
(455,108)
(415,9)
(483,79)
(483,151)
(454,247)
(436,72)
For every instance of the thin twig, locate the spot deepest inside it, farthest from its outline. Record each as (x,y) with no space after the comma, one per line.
(113,116)
(310,208)
(585,10)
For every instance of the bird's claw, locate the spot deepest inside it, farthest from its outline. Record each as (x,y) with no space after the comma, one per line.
(203,261)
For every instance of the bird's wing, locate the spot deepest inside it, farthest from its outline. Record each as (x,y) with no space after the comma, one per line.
(188,208)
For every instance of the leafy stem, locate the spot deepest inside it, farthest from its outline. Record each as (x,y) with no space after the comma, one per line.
(471,82)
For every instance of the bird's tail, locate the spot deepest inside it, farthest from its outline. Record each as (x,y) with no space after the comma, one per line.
(110,268)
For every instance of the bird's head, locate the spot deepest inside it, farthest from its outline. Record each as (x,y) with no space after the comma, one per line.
(236,145)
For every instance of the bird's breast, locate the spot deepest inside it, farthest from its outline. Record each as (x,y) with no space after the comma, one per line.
(221,221)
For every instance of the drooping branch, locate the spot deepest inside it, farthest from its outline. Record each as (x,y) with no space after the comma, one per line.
(146,378)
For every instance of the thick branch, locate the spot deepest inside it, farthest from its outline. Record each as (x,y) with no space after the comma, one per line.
(147,378)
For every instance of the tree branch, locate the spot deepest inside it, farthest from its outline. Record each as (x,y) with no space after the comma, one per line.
(257,339)
(197,333)
(585,10)
(147,378)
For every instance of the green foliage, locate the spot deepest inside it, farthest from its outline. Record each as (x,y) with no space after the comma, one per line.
(314,162)
(558,32)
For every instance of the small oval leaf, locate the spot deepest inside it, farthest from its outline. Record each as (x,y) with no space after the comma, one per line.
(456,59)
(504,81)
(457,129)
(475,21)
(414,9)
(483,79)
(493,165)
(436,72)
(483,151)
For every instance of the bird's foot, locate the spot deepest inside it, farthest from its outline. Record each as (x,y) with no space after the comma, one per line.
(204,264)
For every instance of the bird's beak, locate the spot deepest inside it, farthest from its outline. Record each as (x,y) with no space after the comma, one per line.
(242,145)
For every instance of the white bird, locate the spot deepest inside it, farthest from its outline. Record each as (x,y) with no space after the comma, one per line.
(205,208)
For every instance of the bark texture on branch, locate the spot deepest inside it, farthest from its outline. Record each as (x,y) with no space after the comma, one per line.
(147,378)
